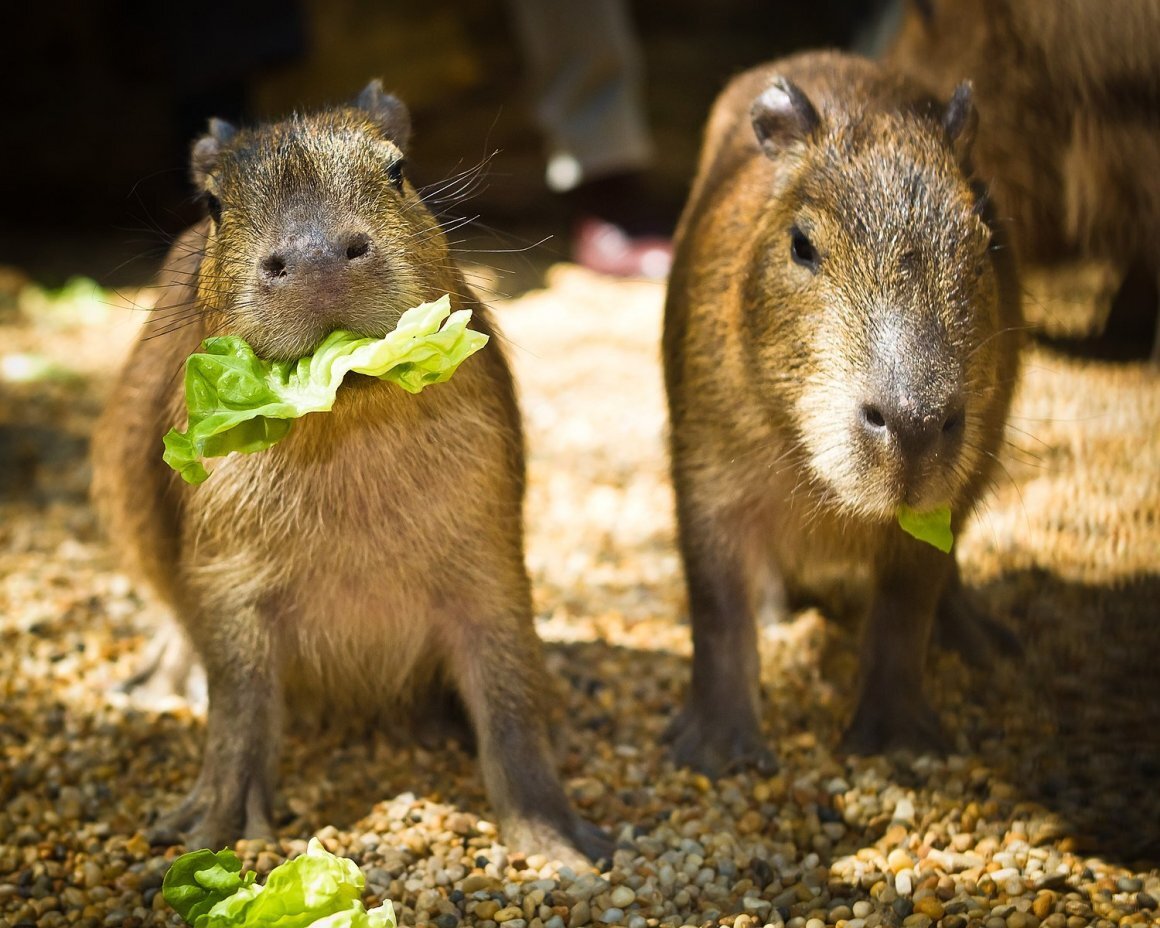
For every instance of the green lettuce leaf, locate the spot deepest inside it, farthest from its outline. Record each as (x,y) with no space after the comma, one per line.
(315,890)
(933,527)
(238,402)
(297,893)
(358,917)
(199,881)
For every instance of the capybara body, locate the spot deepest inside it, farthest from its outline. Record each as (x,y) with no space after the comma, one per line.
(372,560)
(840,339)
(1068,93)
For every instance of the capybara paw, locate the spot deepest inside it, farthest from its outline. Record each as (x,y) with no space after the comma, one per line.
(595,843)
(204,823)
(579,845)
(716,747)
(880,726)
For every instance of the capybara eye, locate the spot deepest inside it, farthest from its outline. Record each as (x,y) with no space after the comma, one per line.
(395,173)
(214,206)
(803,250)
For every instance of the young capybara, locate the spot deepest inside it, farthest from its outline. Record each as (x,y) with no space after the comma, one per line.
(840,340)
(373,560)
(1068,93)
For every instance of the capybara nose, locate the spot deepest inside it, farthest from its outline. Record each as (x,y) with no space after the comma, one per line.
(913,428)
(313,254)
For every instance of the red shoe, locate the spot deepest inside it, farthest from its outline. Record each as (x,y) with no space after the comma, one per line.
(606,248)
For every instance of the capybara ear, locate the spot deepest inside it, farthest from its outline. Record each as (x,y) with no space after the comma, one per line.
(207,149)
(960,119)
(388,111)
(782,115)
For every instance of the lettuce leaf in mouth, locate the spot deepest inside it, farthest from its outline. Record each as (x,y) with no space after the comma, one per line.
(239,402)
(933,527)
(315,890)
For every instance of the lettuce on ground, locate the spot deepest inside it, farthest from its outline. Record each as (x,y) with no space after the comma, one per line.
(314,890)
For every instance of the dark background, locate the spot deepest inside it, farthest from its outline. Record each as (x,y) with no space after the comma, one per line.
(100,102)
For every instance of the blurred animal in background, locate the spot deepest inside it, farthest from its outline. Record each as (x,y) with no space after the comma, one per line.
(1068,93)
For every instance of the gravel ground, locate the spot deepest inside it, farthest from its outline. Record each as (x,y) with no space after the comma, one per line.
(1049,815)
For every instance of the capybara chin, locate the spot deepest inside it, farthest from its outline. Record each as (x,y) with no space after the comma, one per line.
(374,558)
(840,341)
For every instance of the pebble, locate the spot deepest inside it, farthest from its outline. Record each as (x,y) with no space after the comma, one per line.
(581,914)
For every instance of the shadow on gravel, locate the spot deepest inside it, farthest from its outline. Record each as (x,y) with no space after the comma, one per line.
(1088,687)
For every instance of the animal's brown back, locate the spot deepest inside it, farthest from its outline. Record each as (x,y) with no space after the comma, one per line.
(1068,93)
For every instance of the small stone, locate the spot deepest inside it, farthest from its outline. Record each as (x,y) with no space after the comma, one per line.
(1043,904)
(898,860)
(508,913)
(581,914)
(904,811)
(1145,901)
(895,835)
(622,896)
(1129,884)
(612,916)
(930,907)
(486,909)
(477,882)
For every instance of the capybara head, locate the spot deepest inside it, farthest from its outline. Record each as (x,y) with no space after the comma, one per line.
(872,305)
(313,226)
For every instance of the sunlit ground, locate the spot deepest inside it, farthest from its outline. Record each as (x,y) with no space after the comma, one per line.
(1049,813)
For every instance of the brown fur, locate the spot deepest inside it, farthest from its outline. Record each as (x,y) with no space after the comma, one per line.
(376,552)
(766,365)
(1068,93)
